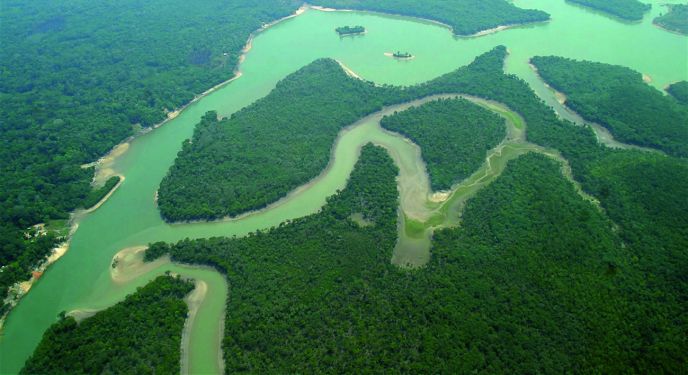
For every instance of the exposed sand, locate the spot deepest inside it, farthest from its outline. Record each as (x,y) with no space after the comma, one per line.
(172,114)
(193,301)
(104,166)
(348,71)
(18,290)
(647,78)
(561,98)
(129,264)
(325,9)
(80,314)
(439,196)
(489,31)
(106,197)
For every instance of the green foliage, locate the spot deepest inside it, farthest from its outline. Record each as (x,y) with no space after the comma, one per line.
(97,194)
(454,136)
(679,91)
(630,10)
(465,17)
(675,20)
(347,30)
(268,148)
(617,98)
(19,254)
(534,281)
(78,77)
(283,140)
(140,335)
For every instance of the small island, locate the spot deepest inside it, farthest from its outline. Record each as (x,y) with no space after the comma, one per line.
(350,30)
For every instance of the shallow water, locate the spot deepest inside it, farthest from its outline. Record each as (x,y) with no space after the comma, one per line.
(81,279)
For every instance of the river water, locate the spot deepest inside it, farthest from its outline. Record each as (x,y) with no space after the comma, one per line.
(81,279)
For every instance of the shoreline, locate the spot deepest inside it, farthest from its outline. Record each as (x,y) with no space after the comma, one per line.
(193,301)
(349,71)
(659,26)
(103,169)
(429,21)
(602,134)
(128,265)
(21,288)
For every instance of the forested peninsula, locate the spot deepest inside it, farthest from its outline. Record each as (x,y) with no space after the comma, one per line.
(141,335)
(453,134)
(676,19)
(465,17)
(595,290)
(617,98)
(629,10)
(67,100)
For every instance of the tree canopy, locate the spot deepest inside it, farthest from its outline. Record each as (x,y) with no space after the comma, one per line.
(453,134)
(465,17)
(630,10)
(676,19)
(141,335)
(617,98)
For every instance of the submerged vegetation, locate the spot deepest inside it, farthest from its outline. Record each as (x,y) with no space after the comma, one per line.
(454,136)
(141,335)
(350,30)
(630,10)
(675,20)
(533,268)
(465,17)
(617,98)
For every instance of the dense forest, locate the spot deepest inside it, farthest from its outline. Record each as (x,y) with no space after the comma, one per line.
(675,20)
(79,77)
(630,10)
(465,17)
(140,335)
(617,98)
(269,148)
(679,91)
(453,134)
(535,280)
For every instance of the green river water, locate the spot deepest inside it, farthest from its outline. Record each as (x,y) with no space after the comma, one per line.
(81,279)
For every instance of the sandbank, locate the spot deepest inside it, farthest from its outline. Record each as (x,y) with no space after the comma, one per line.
(128,264)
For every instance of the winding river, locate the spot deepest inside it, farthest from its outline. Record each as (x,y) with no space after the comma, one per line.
(82,279)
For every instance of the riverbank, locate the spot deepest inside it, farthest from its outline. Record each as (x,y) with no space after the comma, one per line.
(20,289)
(104,170)
(502,28)
(603,135)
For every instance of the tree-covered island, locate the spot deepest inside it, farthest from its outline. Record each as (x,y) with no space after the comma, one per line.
(350,30)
